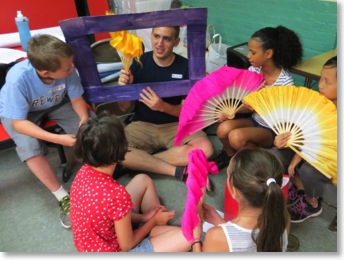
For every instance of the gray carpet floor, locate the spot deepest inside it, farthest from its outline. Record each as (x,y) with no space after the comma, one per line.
(29,213)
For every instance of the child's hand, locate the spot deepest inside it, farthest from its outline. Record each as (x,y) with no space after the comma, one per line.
(82,121)
(211,215)
(150,214)
(281,140)
(66,139)
(291,170)
(223,117)
(162,216)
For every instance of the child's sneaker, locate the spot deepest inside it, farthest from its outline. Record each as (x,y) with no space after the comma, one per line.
(302,210)
(294,195)
(64,212)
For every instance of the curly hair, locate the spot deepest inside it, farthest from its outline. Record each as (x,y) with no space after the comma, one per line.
(284,42)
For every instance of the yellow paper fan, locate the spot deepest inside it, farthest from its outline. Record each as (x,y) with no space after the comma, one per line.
(308,115)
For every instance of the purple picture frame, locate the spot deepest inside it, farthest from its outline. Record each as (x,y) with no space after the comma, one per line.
(76,31)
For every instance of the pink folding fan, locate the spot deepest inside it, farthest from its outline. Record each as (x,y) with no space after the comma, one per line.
(221,91)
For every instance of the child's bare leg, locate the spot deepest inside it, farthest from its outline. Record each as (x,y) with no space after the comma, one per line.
(143,193)
(224,130)
(169,239)
(296,180)
(41,168)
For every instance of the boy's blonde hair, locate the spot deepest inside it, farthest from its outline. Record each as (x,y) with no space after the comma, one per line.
(45,52)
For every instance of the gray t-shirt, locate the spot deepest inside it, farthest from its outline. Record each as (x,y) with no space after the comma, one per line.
(24,91)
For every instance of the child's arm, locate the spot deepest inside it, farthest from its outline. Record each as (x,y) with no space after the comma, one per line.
(211,215)
(294,162)
(80,107)
(127,238)
(142,218)
(26,127)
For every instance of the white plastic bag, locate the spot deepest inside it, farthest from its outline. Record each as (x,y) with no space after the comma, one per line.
(210,33)
(182,47)
(217,56)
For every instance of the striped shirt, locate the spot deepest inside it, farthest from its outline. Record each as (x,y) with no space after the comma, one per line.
(284,79)
(239,239)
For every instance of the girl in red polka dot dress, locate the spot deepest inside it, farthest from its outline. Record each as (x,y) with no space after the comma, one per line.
(103,211)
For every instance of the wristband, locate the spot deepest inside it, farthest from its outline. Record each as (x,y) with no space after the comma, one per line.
(196,241)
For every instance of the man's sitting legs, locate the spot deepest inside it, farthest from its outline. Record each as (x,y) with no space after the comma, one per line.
(152,148)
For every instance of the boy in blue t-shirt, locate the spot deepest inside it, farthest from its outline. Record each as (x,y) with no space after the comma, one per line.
(45,86)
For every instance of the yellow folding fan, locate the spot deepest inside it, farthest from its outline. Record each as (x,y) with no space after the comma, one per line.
(308,115)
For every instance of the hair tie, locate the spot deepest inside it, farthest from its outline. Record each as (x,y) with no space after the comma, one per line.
(269,181)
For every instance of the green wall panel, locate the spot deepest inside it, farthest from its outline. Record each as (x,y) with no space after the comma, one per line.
(314,21)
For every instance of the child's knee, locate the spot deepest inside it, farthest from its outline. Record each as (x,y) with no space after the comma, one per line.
(223,130)
(236,139)
(143,179)
(207,147)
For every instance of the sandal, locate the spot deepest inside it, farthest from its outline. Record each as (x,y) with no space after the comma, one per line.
(210,185)
(181,173)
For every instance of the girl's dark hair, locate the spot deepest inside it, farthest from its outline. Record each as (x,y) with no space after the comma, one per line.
(331,63)
(249,171)
(101,141)
(285,44)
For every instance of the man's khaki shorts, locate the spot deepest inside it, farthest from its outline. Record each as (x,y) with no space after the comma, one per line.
(153,138)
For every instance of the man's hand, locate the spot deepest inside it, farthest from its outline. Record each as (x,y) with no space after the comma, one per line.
(151,99)
(125,78)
